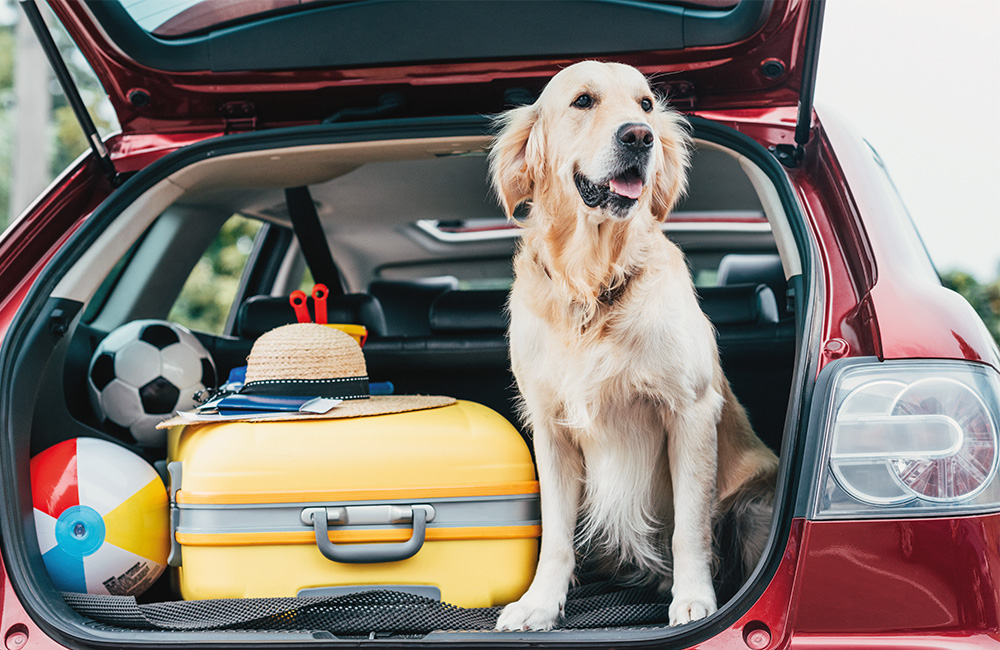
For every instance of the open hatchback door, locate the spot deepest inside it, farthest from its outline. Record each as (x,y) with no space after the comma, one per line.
(222,66)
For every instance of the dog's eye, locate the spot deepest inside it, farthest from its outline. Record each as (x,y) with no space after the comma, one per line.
(583,101)
(647,104)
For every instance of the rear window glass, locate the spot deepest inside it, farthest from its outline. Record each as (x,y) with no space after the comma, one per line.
(151,14)
(168,18)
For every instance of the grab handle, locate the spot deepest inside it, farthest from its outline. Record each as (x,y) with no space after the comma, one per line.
(320,518)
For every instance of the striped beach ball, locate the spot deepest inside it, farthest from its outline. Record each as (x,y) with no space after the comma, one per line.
(102,517)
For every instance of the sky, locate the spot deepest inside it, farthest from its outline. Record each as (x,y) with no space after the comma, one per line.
(920,80)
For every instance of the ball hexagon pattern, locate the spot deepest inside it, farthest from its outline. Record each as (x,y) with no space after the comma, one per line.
(144,371)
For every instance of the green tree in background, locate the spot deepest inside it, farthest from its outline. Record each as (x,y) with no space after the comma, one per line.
(984,298)
(208,293)
(6,118)
(68,141)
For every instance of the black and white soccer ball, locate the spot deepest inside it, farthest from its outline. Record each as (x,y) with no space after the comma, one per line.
(144,371)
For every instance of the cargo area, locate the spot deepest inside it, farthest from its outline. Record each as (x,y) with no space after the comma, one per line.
(420,255)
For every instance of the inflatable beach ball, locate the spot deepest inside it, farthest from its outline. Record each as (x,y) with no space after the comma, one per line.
(102,517)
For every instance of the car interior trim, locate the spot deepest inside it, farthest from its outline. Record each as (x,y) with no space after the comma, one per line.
(134,221)
(791,260)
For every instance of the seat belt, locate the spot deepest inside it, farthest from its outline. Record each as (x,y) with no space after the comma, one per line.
(312,240)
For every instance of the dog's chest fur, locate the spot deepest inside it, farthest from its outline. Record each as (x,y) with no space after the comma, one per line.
(610,376)
(644,340)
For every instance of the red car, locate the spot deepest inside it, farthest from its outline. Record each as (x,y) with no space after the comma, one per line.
(878,388)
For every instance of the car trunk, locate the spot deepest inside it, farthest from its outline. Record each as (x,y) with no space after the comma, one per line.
(45,368)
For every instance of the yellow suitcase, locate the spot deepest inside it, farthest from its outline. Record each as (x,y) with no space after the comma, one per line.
(441,501)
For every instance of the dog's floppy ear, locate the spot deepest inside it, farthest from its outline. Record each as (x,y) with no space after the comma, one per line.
(670,177)
(514,156)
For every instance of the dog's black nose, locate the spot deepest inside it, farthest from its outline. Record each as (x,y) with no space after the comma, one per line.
(635,136)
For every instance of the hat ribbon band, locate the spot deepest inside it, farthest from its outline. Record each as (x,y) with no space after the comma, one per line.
(336,387)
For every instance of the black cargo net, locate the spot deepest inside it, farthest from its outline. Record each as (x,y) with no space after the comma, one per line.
(601,605)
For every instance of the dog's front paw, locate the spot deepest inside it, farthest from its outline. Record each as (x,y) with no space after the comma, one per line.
(531,613)
(684,610)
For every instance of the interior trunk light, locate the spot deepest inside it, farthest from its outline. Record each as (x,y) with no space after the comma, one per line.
(911,435)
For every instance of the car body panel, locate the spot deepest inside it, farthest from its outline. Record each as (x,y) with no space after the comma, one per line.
(976,641)
(894,577)
(898,274)
(875,273)
(19,628)
(721,76)
(889,583)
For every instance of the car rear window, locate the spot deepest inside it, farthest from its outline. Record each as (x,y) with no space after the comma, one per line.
(170,18)
(174,18)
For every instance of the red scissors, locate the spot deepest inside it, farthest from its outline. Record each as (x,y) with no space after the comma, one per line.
(320,292)
(298,301)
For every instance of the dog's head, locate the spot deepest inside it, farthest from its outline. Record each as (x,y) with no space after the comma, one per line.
(597,139)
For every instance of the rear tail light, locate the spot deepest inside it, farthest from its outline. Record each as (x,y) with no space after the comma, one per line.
(917,437)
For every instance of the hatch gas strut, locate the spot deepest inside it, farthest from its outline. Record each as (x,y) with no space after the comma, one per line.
(66,81)
(791,155)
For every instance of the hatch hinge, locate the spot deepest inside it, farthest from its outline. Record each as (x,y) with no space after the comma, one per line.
(680,94)
(65,79)
(789,155)
(239,116)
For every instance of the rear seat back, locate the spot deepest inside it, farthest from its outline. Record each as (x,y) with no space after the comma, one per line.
(464,355)
(465,352)
(739,304)
(485,311)
(258,314)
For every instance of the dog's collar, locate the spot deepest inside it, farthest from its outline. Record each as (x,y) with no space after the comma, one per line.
(609,295)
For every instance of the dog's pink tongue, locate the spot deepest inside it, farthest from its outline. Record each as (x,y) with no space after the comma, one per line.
(631,187)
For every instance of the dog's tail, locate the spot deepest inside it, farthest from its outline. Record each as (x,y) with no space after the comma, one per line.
(740,533)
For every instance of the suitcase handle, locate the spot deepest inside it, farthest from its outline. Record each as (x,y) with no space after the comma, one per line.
(369,553)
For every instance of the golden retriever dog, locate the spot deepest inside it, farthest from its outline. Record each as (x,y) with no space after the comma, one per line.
(639,441)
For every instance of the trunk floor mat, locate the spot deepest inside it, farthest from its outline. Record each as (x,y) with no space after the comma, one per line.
(599,605)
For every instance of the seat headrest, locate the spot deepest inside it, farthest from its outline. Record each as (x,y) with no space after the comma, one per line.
(738,268)
(482,311)
(739,304)
(755,269)
(485,311)
(259,314)
(407,303)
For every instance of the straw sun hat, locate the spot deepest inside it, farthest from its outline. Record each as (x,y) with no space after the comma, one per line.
(306,359)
